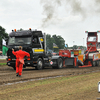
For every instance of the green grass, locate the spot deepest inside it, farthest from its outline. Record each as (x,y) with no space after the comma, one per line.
(2,64)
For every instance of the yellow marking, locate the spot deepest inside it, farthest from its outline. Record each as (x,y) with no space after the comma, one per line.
(41,40)
(38,50)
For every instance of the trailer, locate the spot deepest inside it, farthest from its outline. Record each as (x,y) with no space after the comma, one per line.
(33,42)
(90,58)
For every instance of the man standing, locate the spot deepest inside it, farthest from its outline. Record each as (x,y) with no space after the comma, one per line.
(20,60)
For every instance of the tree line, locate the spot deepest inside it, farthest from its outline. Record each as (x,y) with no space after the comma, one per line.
(60,42)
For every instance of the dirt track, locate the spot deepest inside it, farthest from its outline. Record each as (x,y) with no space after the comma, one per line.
(8,75)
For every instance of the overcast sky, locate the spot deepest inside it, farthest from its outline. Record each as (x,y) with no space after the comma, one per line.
(67,18)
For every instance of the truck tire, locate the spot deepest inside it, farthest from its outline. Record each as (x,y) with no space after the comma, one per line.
(39,64)
(60,63)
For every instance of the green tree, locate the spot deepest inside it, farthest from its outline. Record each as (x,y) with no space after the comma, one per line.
(58,40)
(75,47)
(49,41)
(3,35)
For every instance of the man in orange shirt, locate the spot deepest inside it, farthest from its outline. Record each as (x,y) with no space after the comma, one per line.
(20,60)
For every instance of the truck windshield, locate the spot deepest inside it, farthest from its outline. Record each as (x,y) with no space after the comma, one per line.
(19,40)
(92,38)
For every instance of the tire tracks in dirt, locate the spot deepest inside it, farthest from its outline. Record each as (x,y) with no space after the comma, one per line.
(8,75)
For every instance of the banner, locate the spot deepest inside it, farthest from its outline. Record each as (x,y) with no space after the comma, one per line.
(3,42)
(55,46)
(4,47)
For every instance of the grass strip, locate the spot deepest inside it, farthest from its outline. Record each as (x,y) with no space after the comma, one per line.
(2,64)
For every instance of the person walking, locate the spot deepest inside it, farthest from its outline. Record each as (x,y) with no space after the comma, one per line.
(20,60)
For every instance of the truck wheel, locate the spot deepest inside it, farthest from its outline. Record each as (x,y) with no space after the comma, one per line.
(93,64)
(60,63)
(39,64)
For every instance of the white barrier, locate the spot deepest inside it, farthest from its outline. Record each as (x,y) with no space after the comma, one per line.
(3,57)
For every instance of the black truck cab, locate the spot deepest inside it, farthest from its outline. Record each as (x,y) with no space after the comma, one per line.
(33,42)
